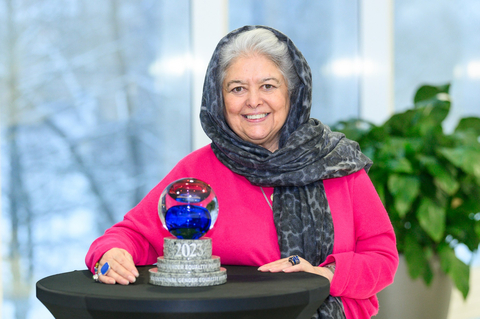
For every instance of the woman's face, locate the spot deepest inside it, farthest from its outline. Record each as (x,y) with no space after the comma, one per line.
(256,100)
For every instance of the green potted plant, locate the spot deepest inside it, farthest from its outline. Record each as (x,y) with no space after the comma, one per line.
(428,180)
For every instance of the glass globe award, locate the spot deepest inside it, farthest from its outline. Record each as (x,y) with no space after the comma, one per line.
(188,209)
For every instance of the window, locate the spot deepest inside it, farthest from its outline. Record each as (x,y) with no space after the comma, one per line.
(95,111)
(438,44)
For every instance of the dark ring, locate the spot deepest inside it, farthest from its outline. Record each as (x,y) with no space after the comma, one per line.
(294,260)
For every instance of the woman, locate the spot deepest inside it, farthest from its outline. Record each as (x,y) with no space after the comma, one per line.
(285,183)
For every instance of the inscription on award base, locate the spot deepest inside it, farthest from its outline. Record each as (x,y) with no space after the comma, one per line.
(188,263)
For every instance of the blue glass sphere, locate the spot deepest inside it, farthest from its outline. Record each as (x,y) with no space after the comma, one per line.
(188,208)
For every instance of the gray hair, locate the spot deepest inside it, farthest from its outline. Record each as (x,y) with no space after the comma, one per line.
(264,42)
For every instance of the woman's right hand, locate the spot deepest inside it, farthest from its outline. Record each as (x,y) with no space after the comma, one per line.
(122,268)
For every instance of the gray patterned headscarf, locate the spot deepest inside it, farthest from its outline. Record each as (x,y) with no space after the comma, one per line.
(308,153)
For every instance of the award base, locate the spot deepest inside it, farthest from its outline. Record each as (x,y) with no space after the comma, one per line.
(188,263)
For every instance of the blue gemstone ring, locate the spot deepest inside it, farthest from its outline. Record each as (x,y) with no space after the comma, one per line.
(294,260)
(105,268)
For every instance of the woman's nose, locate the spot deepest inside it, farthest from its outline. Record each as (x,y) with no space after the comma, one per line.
(254,99)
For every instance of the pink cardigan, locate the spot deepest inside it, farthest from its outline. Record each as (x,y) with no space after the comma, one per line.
(244,234)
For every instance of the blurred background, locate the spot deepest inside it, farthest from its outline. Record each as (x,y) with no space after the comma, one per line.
(100,99)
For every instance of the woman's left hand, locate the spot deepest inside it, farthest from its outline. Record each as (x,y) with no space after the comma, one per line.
(285,266)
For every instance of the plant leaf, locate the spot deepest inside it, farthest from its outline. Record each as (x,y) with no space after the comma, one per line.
(443,178)
(433,105)
(432,218)
(398,123)
(392,153)
(470,125)
(415,257)
(400,165)
(353,129)
(426,92)
(404,188)
(455,268)
(466,158)
(431,115)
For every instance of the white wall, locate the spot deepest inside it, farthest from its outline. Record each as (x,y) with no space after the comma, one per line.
(377,49)
(209,24)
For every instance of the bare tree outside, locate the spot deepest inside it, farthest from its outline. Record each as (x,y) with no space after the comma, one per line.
(84,131)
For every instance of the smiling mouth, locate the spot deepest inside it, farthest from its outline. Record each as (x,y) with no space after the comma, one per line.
(256,116)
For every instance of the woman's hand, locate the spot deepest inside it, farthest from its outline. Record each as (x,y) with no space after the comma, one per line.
(285,266)
(122,268)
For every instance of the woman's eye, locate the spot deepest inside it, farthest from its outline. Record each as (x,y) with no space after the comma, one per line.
(237,89)
(268,86)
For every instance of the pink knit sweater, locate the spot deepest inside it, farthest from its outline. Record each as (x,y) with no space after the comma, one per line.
(244,234)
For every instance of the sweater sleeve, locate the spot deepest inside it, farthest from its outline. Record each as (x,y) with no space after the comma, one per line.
(371,265)
(140,232)
(122,235)
(135,233)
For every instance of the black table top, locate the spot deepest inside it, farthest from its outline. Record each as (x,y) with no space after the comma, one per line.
(248,293)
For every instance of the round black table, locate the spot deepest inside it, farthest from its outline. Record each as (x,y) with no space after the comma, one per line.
(248,293)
